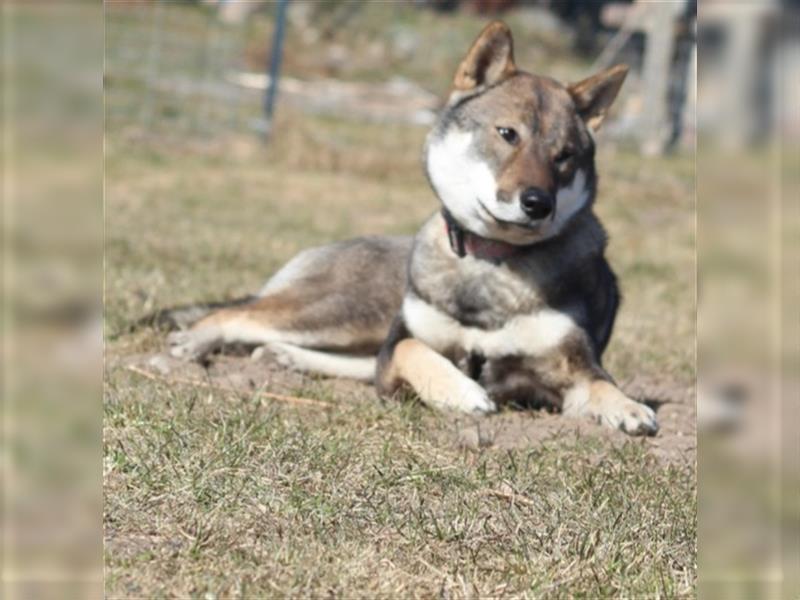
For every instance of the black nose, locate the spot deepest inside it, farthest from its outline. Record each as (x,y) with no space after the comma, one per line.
(537,203)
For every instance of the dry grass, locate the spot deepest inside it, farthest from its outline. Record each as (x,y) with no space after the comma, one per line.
(226,494)
(214,493)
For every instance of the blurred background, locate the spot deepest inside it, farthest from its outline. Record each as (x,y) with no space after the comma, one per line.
(350,87)
(748,102)
(222,67)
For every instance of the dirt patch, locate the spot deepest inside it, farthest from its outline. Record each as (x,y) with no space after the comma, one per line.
(676,441)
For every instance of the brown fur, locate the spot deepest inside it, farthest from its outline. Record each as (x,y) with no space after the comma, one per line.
(594,96)
(490,58)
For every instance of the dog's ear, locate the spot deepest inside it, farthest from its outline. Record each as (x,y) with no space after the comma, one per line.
(490,58)
(593,96)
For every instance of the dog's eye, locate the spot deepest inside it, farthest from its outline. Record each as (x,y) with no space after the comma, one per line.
(563,157)
(508,135)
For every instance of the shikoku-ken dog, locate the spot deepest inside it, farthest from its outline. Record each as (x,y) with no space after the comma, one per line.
(504,295)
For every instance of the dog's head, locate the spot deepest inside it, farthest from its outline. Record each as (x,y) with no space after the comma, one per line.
(512,156)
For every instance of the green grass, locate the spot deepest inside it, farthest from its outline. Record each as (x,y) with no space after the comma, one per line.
(221,494)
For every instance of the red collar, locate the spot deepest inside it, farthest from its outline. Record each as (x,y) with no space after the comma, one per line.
(465,242)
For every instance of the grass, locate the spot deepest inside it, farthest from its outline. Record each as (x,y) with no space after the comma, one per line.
(228,496)
(224,494)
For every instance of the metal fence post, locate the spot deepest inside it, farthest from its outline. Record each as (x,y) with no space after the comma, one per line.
(276,55)
(147,112)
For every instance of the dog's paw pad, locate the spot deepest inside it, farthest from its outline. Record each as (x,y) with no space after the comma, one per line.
(160,363)
(639,419)
(190,345)
(177,342)
(611,407)
(281,354)
(629,416)
(472,398)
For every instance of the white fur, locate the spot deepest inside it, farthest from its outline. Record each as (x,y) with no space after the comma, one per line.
(462,394)
(324,363)
(193,344)
(576,400)
(531,335)
(460,178)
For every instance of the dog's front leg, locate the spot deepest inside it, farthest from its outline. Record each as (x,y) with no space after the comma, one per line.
(588,390)
(571,378)
(436,380)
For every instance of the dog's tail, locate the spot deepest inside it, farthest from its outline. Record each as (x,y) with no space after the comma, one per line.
(183,316)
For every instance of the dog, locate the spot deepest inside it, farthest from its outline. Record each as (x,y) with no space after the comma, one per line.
(504,295)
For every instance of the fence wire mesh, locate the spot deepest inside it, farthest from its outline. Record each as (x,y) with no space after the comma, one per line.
(173,70)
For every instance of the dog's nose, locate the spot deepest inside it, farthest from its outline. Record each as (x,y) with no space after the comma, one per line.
(536,203)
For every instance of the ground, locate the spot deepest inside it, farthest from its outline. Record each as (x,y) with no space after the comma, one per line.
(243,480)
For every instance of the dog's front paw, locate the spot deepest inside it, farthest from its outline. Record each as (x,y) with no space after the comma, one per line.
(609,406)
(193,344)
(279,353)
(471,398)
(634,418)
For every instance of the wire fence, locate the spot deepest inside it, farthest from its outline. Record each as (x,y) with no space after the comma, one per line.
(172,69)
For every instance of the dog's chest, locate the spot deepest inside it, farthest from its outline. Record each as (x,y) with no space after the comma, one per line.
(471,306)
(531,334)
(476,293)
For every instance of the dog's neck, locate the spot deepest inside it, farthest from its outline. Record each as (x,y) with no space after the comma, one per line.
(464,242)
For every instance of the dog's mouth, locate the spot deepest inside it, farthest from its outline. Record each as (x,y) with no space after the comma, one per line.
(527,224)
